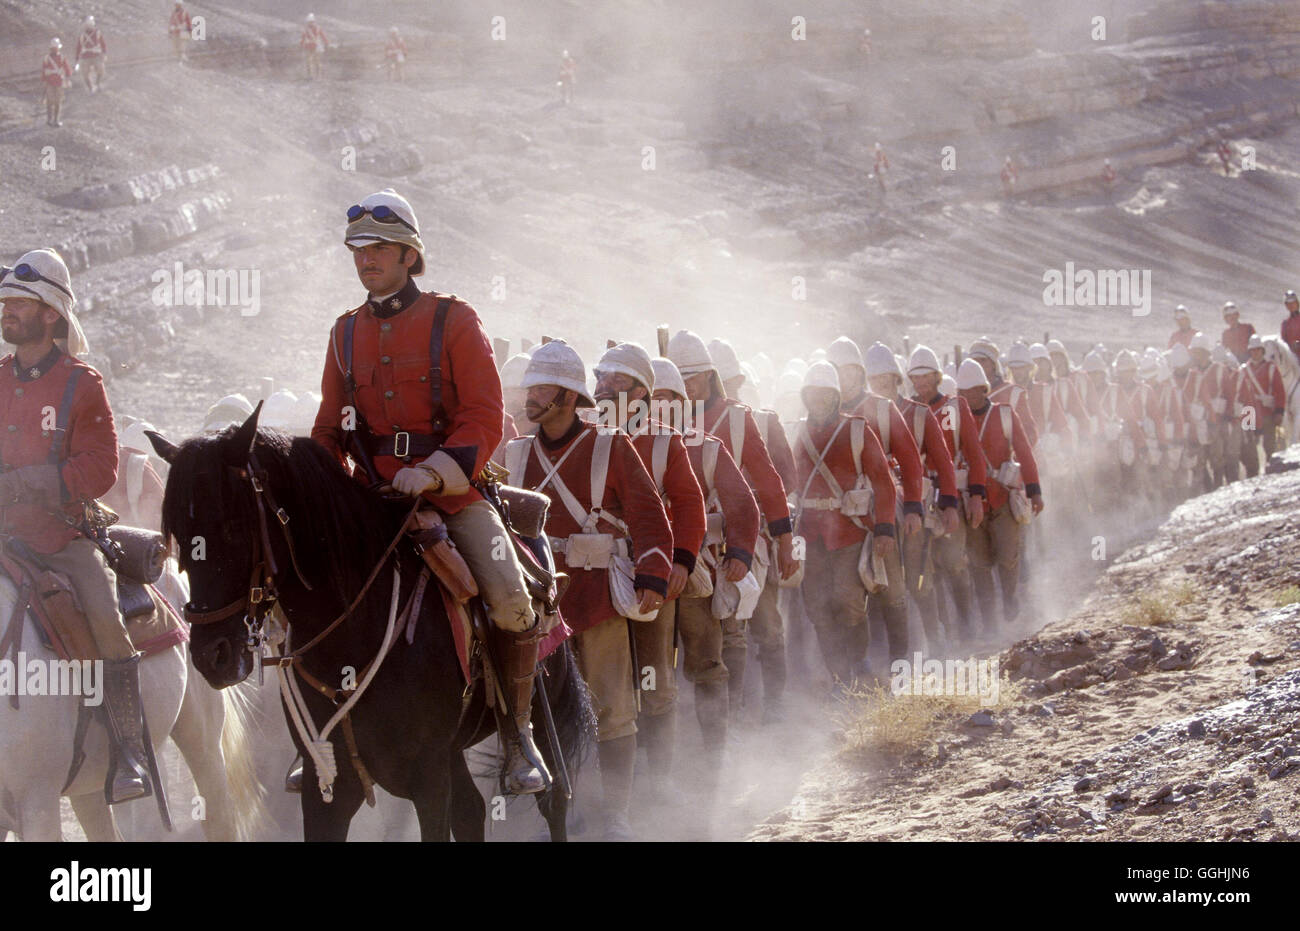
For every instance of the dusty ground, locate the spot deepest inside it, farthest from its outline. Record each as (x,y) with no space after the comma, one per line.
(1185,730)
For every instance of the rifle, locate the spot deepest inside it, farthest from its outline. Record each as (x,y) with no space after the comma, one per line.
(636,672)
(661,334)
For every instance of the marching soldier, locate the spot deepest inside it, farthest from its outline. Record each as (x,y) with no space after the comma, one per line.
(735,424)
(395,55)
(56,74)
(846,492)
(1165,409)
(1232,438)
(1184,333)
(1012,472)
(1206,409)
(1291,325)
(179,27)
(732,521)
(1055,371)
(939,498)
(51,478)
(567,77)
(91,50)
(410,391)
(886,422)
(625,379)
(1126,405)
(314,42)
(970,467)
(604,510)
(1263,402)
(1236,335)
(137,495)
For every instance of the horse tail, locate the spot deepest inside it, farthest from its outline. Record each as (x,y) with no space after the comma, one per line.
(247,793)
(575,718)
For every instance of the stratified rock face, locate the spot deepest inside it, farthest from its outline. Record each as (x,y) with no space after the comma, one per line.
(139,189)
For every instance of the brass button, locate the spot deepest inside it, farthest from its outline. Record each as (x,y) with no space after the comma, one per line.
(385,359)
(12,428)
(385,326)
(424,378)
(18,392)
(388,395)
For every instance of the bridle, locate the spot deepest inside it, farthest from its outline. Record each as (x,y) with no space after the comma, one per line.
(262,593)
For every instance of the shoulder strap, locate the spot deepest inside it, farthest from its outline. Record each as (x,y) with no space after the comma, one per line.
(710,457)
(517,450)
(600,468)
(819,458)
(918,424)
(882,422)
(1254,381)
(349,383)
(737,426)
(60,438)
(659,459)
(435,361)
(1006,423)
(955,408)
(857,441)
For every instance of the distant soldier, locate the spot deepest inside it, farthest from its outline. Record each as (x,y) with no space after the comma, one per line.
(1184,333)
(1108,173)
(864,48)
(91,51)
(568,74)
(1232,439)
(313,42)
(56,73)
(1263,402)
(880,166)
(137,495)
(1291,325)
(179,28)
(1224,152)
(1207,410)
(986,354)
(1237,335)
(395,55)
(1010,174)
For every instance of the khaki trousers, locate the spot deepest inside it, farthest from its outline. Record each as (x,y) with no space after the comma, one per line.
(606,663)
(654,656)
(995,543)
(701,635)
(836,601)
(480,536)
(96,587)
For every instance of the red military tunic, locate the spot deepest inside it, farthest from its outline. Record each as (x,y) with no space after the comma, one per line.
(179,23)
(1165,407)
(683,500)
(630,495)
(961,436)
(88,456)
(1202,387)
(1004,392)
(1181,336)
(1291,332)
(1048,411)
(91,44)
(832,528)
(1070,397)
(935,457)
(313,38)
(1237,337)
(901,447)
(1128,405)
(1260,387)
(777,445)
(998,449)
(395,49)
(731,495)
(721,414)
(391,366)
(55,70)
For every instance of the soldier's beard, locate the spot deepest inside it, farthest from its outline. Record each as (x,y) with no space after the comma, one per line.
(18,333)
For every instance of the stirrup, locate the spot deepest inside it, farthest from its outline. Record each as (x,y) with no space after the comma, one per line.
(522,748)
(293,778)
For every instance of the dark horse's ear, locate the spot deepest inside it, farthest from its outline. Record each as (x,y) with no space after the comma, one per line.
(242,442)
(165,449)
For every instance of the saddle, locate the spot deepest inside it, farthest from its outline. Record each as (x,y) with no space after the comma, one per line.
(152,624)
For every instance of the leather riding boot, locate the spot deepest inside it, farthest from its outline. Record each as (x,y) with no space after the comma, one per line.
(128,773)
(526,771)
(617,764)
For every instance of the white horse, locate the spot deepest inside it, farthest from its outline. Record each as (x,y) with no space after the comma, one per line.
(209,728)
(1279,352)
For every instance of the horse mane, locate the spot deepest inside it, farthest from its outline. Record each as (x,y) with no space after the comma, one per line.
(339,527)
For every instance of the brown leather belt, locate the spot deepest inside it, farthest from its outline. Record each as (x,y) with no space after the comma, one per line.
(405,445)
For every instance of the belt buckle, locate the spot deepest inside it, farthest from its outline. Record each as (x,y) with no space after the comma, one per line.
(402,445)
